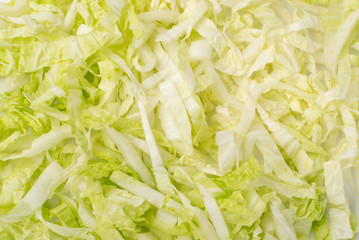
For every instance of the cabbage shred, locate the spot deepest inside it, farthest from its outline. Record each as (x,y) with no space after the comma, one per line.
(187,119)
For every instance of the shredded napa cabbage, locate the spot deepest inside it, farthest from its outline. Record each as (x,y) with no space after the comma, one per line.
(179,119)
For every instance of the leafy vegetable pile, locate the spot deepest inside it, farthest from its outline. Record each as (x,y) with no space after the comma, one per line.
(187,119)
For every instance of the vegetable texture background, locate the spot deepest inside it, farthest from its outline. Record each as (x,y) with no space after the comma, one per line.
(179,119)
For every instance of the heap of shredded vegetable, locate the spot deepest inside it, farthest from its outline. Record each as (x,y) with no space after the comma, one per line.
(179,119)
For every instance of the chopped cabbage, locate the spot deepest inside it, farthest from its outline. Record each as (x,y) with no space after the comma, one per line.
(179,119)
